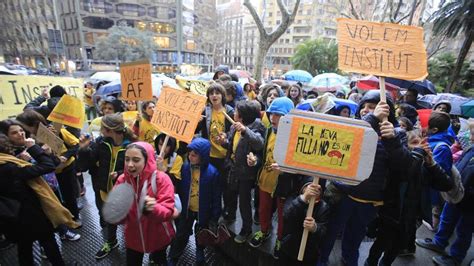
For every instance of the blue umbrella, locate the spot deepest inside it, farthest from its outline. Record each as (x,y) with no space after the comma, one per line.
(423,87)
(328,82)
(306,104)
(455,100)
(467,109)
(298,75)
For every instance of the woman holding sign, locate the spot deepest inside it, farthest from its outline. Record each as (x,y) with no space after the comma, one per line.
(211,127)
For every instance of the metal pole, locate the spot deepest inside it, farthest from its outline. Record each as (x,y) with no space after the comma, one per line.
(179,30)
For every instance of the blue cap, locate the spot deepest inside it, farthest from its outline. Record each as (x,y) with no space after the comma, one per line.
(281,106)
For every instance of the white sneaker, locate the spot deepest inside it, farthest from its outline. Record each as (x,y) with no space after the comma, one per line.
(70,235)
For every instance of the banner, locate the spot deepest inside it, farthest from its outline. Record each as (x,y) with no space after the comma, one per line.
(45,136)
(135,78)
(382,49)
(178,112)
(194,86)
(69,111)
(325,146)
(17,91)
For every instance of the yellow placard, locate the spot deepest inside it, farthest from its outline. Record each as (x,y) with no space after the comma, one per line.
(194,86)
(69,111)
(178,112)
(382,49)
(17,91)
(135,78)
(325,147)
(45,136)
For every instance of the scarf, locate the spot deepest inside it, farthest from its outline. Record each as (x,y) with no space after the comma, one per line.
(50,204)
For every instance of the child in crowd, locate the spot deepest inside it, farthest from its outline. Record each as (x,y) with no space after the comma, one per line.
(153,232)
(142,127)
(295,94)
(171,162)
(199,193)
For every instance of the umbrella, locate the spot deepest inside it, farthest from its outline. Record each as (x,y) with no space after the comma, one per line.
(306,104)
(105,75)
(6,71)
(206,76)
(467,109)
(423,87)
(372,83)
(328,82)
(455,100)
(241,73)
(298,75)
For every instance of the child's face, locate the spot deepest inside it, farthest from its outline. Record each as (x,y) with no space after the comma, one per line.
(131,105)
(294,93)
(272,95)
(194,157)
(134,161)
(367,108)
(345,112)
(215,97)
(414,142)
(402,125)
(160,145)
(150,109)
(275,120)
(442,108)
(108,109)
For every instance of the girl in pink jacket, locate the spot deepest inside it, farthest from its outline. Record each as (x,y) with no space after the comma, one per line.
(149,230)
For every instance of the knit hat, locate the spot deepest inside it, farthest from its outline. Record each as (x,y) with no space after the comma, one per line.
(281,106)
(57,91)
(113,122)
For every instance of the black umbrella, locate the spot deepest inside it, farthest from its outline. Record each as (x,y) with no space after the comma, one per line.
(423,87)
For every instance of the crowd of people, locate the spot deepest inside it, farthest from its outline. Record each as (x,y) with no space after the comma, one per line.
(418,172)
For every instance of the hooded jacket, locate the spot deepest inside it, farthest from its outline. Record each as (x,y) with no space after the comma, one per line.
(409,112)
(448,104)
(392,157)
(156,225)
(209,195)
(221,68)
(440,144)
(466,169)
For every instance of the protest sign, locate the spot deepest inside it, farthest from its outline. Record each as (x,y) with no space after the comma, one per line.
(194,86)
(45,136)
(135,78)
(129,117)
(178,112)
(69,111)
(382,49)
(327,146)
(17,91)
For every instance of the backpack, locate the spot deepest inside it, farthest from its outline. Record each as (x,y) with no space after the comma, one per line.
(456,194)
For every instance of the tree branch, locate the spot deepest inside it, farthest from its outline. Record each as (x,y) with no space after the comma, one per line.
(256,18)
(412,12)
(287,19)
(353,11)
(397,10)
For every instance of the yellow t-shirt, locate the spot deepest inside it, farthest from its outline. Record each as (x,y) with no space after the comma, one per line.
(217,126)
(175,169)
(265,121)
(269,178)
(194,195)
(70,140)
(235,143)
(113,162)
(251,95)
(147,132)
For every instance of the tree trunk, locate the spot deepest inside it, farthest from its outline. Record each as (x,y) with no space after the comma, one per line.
(263,48)
(462,55)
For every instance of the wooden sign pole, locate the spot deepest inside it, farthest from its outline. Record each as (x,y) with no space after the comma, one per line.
(383,92)
(163,147)
(309,213)
(228,117)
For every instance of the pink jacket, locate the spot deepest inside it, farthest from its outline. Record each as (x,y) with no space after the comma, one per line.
(156,226)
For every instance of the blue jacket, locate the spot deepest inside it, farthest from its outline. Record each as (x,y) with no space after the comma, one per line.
(209,195)
(440,144)
(465,165)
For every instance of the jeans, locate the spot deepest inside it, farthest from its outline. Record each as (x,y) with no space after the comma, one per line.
(453,217)
(244,196)
(351,218)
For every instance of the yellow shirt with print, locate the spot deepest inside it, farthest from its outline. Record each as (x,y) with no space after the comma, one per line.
(268,178)
(147,132)
(217,126)
(194,195)
(174,169)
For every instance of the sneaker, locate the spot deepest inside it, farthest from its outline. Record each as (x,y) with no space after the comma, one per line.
(445,261)
(70,236)
(242,237)
(276,249)
(43,254)
(429,244)
(106,249)
(258,239)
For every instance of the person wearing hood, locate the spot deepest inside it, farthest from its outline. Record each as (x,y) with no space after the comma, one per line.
(442,106)
(357,205)
(153,231)
(240,95)
(268,177)
(220,70)
(269,92)
(200,197)
(104,159)
(211,126)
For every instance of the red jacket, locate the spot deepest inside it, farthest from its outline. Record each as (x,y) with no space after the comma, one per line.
(156,226)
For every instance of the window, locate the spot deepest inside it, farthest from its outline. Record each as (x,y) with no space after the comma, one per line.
(97,23)
(270,14)
(131,10)
(162,42)
(190,45)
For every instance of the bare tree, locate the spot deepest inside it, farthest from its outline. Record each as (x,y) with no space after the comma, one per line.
(267,39)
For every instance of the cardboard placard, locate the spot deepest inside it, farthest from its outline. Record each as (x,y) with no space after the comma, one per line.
(382,49)
(44,135)
(194,86)
(135,78)
(178,112)
(69,111)
(19,90)
(328,146)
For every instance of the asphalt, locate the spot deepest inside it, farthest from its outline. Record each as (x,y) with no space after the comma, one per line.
(82,252)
